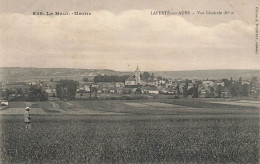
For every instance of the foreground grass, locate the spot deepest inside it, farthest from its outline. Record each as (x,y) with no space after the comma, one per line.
(130,139)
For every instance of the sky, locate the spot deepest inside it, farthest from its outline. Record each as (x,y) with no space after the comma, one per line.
(121,35)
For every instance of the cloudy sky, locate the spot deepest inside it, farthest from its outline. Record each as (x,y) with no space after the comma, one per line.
(121,35)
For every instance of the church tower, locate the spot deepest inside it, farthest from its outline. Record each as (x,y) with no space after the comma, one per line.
(137,76)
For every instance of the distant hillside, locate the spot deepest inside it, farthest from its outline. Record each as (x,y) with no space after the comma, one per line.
(210,74)
(11,74)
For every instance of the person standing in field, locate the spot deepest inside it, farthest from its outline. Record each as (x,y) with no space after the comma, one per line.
(27,118)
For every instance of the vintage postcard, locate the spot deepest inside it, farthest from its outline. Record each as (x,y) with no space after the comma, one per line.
(129,81)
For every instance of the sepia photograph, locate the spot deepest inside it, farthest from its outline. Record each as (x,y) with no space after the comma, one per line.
(129,81)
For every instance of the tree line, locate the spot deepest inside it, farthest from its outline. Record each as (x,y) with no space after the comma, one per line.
(30,93)
(112,78)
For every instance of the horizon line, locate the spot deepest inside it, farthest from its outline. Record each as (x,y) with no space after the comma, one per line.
(126,70)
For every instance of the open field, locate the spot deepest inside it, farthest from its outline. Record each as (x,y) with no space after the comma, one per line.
(148,107)
(145,131)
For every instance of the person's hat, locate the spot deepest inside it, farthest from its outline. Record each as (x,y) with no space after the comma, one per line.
(27,108)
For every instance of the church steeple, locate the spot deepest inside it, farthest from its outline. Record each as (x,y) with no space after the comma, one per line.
(137,69)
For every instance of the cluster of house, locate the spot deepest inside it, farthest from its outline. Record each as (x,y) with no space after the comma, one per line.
(132,85)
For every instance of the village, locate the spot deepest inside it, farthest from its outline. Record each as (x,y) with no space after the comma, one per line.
(136,86)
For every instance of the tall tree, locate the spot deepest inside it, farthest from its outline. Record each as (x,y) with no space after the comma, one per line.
(212,92)
(146,75)
(220,89)
(66,89)
(185,88)
(93,90)
(245,90)
(226,82)
(240,80)
(36,93)
(178,89)
(253,82)
(195,91)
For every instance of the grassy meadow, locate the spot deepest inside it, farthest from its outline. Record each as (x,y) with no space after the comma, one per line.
(147,131)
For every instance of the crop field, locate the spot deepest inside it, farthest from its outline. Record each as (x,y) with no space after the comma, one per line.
(161,131)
